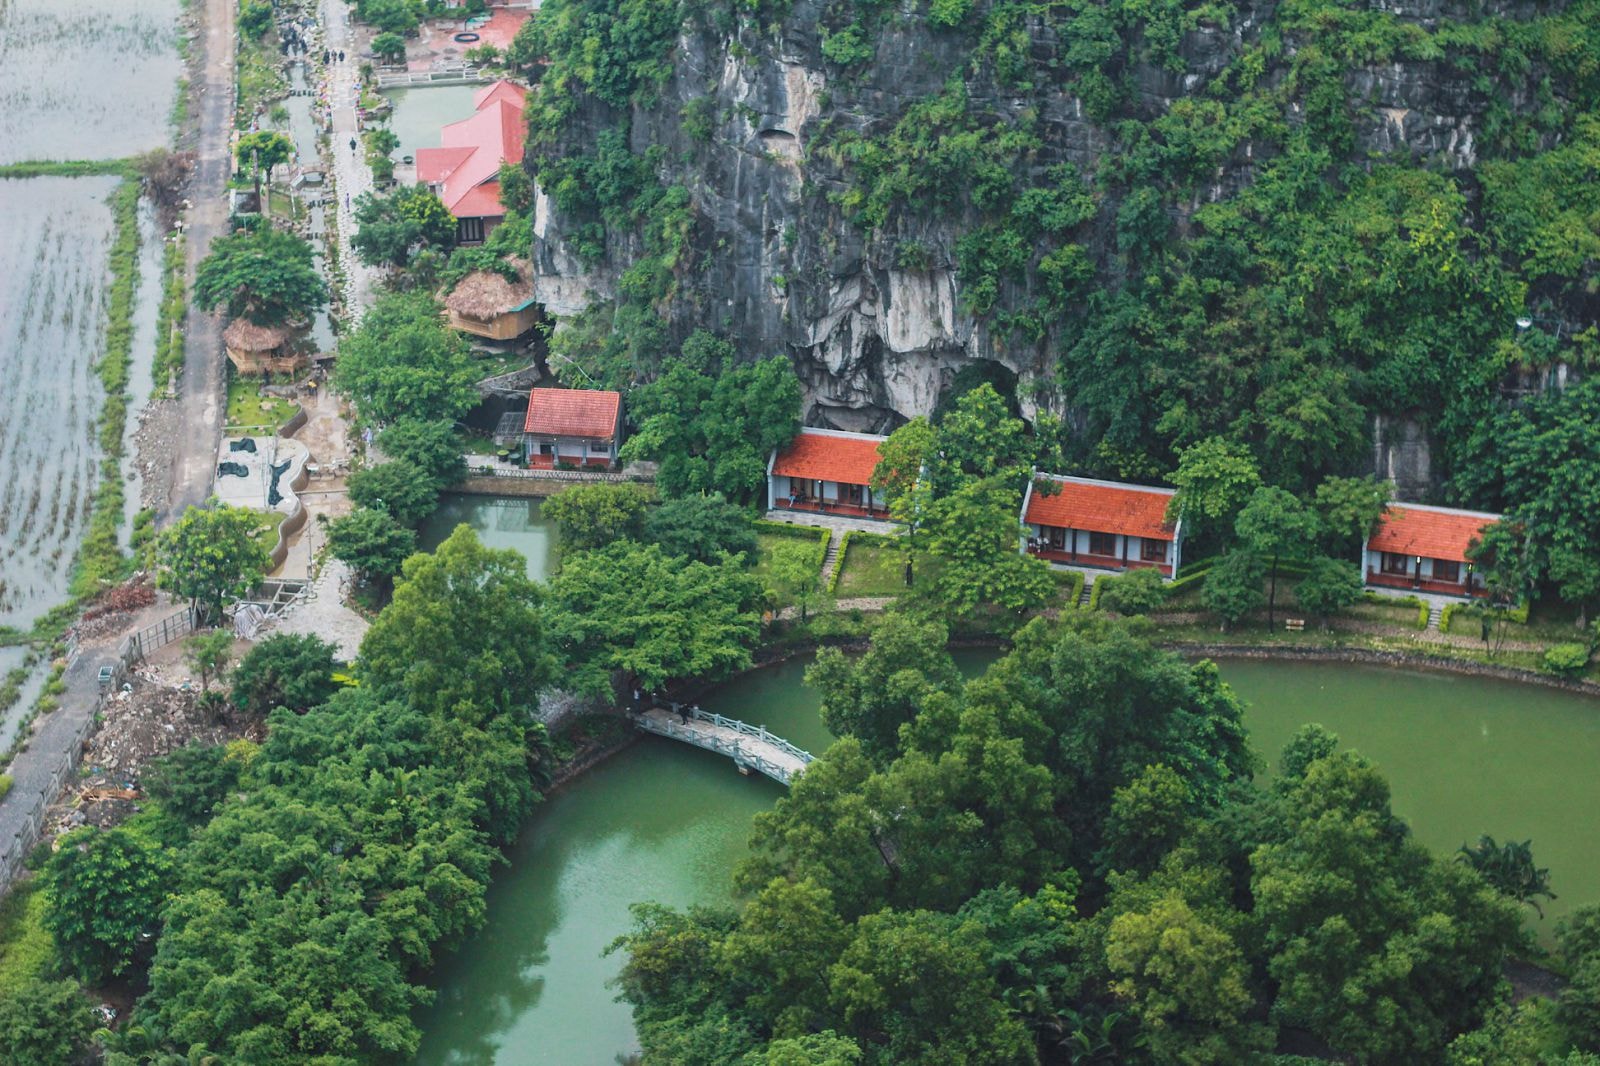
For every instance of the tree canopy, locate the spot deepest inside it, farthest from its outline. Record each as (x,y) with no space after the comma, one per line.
(265,275)
(211,555)
(404,363)
(393,227)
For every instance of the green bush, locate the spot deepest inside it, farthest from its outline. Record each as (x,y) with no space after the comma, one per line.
(838,565)
(1136,592)
(5,785)
(1073,580)
(1567,660)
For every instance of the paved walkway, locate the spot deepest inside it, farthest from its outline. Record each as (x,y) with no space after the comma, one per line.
(838,523)
(351,174)
(323,613)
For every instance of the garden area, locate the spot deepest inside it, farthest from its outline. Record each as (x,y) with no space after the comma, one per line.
(249,410)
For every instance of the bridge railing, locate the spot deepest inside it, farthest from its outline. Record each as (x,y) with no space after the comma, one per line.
(758,731)
(740,753)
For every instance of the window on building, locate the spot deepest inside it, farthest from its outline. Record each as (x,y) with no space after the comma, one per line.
(469,231)
(1446,570)
(1152,550)
(1102,544)
(1396,564)
(1056,538)
(852,493)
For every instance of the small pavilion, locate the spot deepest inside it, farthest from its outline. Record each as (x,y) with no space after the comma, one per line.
(1424,549)
(828,471)
(1108,525)
(487,304)
(255,349)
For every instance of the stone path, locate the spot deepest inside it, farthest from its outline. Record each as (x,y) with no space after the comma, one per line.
(351,174)
(838,523)
(323,613)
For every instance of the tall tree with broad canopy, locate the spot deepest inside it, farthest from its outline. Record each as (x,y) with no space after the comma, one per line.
(1233,587)
(44,1023)
(1330,585)
(371,542)
(105,889)
(1550,453)
(211,555)
(975,534)
(430,446)
(267,276)
(871,696)
(293,670)
(1275,525)
(794,572)
(1349,508)
(403,491)
(712,425)
(403,362)
(1214,478)
(393,227)
(632,610)
(702,527)
(592,516)
(979,438)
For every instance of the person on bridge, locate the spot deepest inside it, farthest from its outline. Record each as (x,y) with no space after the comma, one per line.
(683,712)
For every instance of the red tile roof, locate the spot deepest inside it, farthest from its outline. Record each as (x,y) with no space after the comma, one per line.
(473,150)
(830,455)
(1431,532)
(1101,507)
(572,413)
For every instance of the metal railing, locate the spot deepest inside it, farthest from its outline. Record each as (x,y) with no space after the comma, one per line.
(448,76)
(546,474)
(157,634)
(744,756)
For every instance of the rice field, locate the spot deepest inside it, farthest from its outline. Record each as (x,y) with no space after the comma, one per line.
(53,267)
(93,79)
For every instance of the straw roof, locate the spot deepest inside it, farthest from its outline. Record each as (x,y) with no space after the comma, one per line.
(243,335)
(483,294)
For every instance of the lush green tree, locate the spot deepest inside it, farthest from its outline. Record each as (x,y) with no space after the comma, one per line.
(1578,938)
(826,1048)
(915,987)
(1148,817)
(390,16)
(1135,592)
(871,696)
(255,18)
(105,890)
(389,46)
(592,516)
(976,535)
(794,571)
(1214,478)
(267,276)
(293,670)
(44,1023)
(1275,525)
(978,438)
(702,527)
(1330,585)
(1550,452)
(395,226)
(1233,587)
(191,782)
(769,959)
(902,459)
(402,362)
(713,426)
(371,541)
(1509,868)
(264,151)
(211,555)
(208,655)
(400,490)
(1188,981)
(631,609)
(1349,508)
(516,188)
(430,446)
(1346,899)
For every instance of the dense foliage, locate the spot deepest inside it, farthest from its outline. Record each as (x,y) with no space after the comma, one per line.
(267,276)
(1066,860)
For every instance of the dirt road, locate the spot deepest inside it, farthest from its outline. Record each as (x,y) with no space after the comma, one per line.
(203,402)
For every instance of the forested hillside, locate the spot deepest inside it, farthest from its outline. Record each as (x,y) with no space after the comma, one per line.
(1152,222)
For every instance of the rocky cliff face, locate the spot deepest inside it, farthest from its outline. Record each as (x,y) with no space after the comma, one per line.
(780,266)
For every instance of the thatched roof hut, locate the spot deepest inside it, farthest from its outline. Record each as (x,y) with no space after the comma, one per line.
(485,294)
(243,335)
(488,305)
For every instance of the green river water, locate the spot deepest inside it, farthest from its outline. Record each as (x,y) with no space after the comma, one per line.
(668,823)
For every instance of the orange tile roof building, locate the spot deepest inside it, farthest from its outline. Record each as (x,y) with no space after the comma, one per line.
(1424,549)
(1108,525)
(577,427)
(465,172)
(827,471)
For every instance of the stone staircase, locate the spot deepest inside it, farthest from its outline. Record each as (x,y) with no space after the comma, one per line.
(1435,611)
(1083,597)
(830,559)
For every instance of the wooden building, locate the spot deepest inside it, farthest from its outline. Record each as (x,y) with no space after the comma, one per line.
(1110,525)
(257,349)
(828,471)
(489,305)
(580,427)
(1424,549)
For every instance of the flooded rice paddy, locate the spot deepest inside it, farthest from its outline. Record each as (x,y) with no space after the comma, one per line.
(95,79)
(53,273)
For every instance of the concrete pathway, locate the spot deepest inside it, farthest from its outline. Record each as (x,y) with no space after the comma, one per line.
(351,174)
(837,523)
(323,613)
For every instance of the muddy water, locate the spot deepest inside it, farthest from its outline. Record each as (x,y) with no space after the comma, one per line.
(91,79)
(53,272)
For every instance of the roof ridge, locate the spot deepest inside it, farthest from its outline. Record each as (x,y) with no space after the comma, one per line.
(1128,485)
(843,434)
(1439,509)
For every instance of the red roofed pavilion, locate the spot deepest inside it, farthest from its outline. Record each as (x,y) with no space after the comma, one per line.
(1425,549)
(1105,524)
(581,427)
(828,471)
(465,172)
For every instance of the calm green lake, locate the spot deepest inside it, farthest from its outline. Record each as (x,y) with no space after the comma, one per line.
(668,823)
(499,521)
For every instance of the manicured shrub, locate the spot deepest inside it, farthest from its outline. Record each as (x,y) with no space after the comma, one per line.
(1566,659)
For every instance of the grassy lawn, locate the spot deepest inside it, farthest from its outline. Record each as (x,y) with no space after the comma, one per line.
(25,947)
(766,543)
(1390,614)
(870,570)
(248,409)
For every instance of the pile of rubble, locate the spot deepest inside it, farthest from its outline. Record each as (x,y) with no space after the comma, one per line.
(157,711)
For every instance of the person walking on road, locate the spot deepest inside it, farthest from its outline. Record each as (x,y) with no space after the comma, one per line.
(352,144)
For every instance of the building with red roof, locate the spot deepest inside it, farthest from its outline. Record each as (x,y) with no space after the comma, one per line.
(1424,549)
(1104,524)
(827,471)
(580,427)
(465,171)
